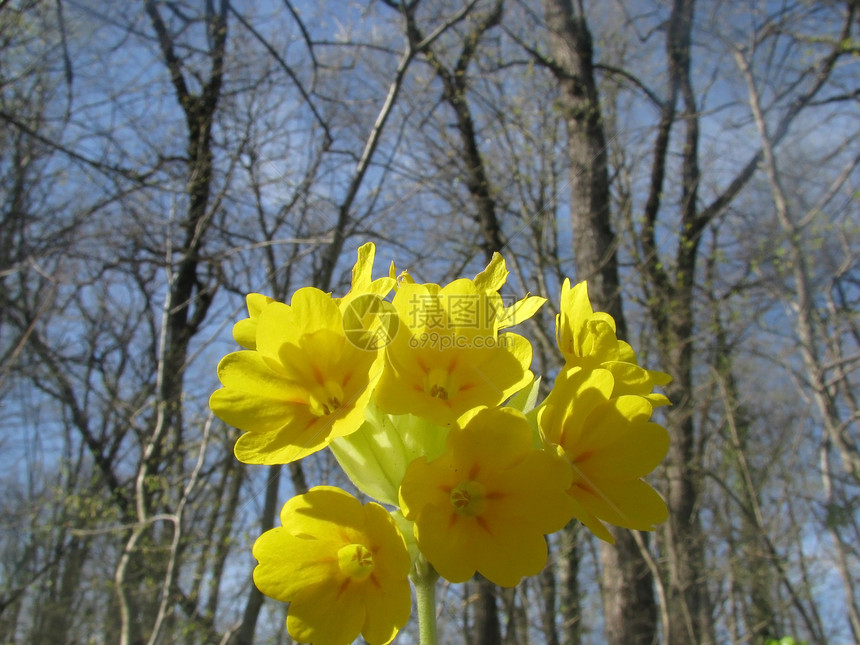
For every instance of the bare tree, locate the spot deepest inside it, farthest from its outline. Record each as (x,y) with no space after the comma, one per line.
(630,612)
(160,160)
(822,329)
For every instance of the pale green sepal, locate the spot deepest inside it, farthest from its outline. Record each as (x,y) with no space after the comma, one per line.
(407,529)
(526,399)
(425,438)
(376,456)
(538,440)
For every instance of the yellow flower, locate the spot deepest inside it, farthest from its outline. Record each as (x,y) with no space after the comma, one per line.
(245,331)
(341,565)
(303,386)
(447,357)
(611,445)
(487,502)
(587,339)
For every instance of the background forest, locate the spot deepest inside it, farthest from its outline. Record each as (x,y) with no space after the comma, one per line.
(695,160)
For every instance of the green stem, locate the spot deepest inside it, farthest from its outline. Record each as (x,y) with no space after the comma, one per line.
(424,578)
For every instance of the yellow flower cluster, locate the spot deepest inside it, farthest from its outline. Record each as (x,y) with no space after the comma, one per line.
(430,408)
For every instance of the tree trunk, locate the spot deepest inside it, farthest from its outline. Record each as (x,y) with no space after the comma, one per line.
(671,307)
(629,608)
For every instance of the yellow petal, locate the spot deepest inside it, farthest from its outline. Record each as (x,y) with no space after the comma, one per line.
(277,577)
(417,307)
(387,611)
(520,311)
(245,331)
(575,395)
(660,378)
(607,418)
(252,413)
(314,309)
(591,522)
(550,420)
(507,559)
(451,543)
(256,302)
(629,378)
(383,533)
(322,510)
(533,493)
(361,272)
(626,353)
(488,378)
(632,505)
(283,447)
(494,276)
(656,399)
(273,330)
(575,309)
(311,618)
(424,486)
(631,451)
(388,600)
(495,438)
(317,358)
(362,276)
(247,371)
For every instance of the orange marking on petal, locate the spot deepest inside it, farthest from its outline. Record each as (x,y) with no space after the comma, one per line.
(342,588)
(483,524)
(583,485)
(318,374)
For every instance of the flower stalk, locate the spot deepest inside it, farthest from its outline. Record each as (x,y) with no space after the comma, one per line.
(424,578)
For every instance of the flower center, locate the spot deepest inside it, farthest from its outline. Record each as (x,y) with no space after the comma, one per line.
(326,399)
(437,384)
(355,561)
(469,498)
